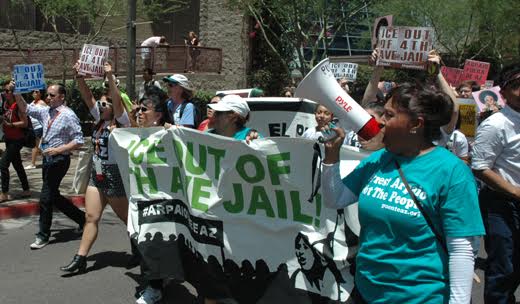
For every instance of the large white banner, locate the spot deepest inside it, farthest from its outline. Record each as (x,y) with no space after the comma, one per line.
(237,220)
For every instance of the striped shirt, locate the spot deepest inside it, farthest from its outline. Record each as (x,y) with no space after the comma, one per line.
(60,125)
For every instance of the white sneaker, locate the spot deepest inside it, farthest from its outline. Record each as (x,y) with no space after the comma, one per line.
(150,296)
(29,167)
(39,243)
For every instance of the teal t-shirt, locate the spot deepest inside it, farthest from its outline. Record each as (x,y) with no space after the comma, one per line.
(399,259)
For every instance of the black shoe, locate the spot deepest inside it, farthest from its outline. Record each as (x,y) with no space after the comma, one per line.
(79,263)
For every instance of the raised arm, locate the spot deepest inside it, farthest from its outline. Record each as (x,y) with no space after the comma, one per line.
(435,59)
(371,90)
(117,101)
(84,90)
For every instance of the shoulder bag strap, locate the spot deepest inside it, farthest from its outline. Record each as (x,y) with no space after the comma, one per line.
(421,209)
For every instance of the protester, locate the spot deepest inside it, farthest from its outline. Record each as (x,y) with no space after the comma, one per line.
(105,185)
(124,97)
(180,91)
(376,110)
(208,122)
(323,117)
(466,88)
(457,143)
(37,129)
(400,259)
(230,118)
(14,120)
(147,46)
(147,82)
(343,83)
(61,135)
(495,162)
(152,112)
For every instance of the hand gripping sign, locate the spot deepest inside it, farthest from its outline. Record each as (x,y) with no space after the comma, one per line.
(321,86)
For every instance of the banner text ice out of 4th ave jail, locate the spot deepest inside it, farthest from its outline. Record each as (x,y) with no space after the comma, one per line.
(224,201)
(92,60)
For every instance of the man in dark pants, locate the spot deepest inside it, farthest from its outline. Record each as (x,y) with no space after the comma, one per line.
(496,162)
(61,135)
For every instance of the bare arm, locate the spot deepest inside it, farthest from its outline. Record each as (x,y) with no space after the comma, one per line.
(371,90)
(117,101)
(445,87)
(84,90)
(497,182)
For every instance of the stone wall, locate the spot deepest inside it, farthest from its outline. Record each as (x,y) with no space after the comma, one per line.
(226,29)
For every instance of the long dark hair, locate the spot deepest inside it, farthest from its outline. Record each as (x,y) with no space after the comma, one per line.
(158,99)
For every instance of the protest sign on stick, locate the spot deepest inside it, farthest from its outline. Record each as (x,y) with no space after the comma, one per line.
(468,116)
(28,77)
(405,47)
(452,75)
(344,69)
(475,70)
(489,99)
(92,59)
(381,21)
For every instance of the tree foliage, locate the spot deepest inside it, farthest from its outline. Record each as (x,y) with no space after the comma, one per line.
(486,30)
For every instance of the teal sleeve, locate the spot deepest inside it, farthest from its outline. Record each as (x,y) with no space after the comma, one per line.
(361,175)
(459,211)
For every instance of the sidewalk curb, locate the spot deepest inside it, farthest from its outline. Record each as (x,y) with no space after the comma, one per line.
(29,208)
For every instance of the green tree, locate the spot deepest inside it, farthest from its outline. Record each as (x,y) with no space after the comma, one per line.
(465,29)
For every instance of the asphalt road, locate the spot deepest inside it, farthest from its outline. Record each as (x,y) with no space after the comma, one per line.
(34,277)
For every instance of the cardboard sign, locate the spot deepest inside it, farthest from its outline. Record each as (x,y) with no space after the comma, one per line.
(452,75)
(92,59)
(405,47)
(378,23)
(28,77)
(475,70)
(468,116)
(344,70)
(201,203)
(489,99)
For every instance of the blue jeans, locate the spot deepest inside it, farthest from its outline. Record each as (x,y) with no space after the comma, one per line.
(53,171)
(501,216)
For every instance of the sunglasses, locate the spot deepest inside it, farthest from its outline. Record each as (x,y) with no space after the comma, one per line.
(142,109)
(8,91)
(52,95)
(103,104)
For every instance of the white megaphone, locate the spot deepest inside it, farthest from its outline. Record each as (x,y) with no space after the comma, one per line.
(321,86)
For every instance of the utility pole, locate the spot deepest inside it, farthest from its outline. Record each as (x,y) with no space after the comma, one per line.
(130,49)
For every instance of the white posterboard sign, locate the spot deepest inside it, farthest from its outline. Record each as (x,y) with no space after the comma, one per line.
(344,70)
(405,47)
(92,60)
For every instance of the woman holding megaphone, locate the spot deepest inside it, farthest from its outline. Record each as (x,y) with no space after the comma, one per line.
(418,206)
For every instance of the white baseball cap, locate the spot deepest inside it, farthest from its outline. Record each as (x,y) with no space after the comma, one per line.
(233,103)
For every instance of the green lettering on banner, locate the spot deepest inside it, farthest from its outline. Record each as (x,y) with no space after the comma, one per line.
(178,152)
(238,206)
(260,201)
(152,157)
(274,170)
(298,216)
(145,180)
(259,169)
(198,183)
(281,204)
(218,155)
(177,183)
(139,158)
(190,163)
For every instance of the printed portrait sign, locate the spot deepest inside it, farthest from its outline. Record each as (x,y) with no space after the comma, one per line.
(378,23)
(29,77)
(405,47)
(475,70)
(452,75)
(216,211)
(92,59)
(344,70)
(468,110)
(489,99)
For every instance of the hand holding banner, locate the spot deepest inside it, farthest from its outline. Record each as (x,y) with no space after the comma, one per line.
(28,77)
(92,60)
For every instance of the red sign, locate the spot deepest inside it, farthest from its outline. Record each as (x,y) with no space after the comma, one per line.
(475,70)
(452,75)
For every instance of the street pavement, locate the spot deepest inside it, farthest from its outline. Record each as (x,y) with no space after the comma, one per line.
(28,276)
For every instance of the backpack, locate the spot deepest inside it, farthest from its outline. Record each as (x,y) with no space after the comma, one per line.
(199,111)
